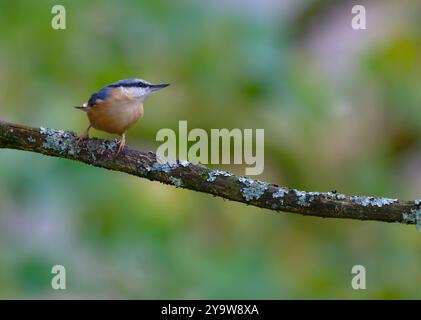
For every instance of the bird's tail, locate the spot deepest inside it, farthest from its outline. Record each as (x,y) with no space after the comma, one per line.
(82,107)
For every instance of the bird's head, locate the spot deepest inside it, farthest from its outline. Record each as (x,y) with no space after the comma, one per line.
(138,87)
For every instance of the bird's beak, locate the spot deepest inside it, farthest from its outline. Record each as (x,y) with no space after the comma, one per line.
(155,87)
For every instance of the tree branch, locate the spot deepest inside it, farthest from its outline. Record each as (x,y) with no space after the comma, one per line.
(101,153)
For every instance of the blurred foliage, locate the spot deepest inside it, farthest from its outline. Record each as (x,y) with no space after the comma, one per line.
(344,120)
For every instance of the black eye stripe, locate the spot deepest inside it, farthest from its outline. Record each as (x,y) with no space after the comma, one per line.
(130,83)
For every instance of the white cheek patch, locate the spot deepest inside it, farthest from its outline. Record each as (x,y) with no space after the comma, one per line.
(137,91)
(144,91)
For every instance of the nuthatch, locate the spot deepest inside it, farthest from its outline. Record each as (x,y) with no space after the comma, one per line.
(118,106)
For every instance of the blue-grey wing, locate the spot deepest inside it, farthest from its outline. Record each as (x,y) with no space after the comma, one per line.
(98,96)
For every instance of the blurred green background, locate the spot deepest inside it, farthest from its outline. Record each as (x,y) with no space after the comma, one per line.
(341,110)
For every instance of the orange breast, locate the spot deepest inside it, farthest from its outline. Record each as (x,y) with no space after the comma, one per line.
(115,116)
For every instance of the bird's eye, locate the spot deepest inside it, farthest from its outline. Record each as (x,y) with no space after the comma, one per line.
(141,84)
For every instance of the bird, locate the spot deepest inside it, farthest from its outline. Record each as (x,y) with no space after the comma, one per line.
(117,107)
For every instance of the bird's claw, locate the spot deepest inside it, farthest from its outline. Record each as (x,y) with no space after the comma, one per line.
(121,146)
(81,138)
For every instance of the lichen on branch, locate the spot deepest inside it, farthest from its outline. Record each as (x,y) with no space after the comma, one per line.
(184,174)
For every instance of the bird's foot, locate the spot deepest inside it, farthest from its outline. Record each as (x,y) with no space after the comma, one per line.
(83,136)
(121,145)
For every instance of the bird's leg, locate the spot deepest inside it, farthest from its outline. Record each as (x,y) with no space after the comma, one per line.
(121,144)
(84,135)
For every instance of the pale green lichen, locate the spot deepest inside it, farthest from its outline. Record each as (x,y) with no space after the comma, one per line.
(95,147)
(101,148)
(339,196)
(409,217)
(306,198)
(164,167)
(413,217)
(372,201)
(329,195)
(364,201)
(280,193)
(214,173)
(380,202)
(64,142)
(184,163)
(59,141)
(302,198)
(176,181)
(253,189)
(31,139)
